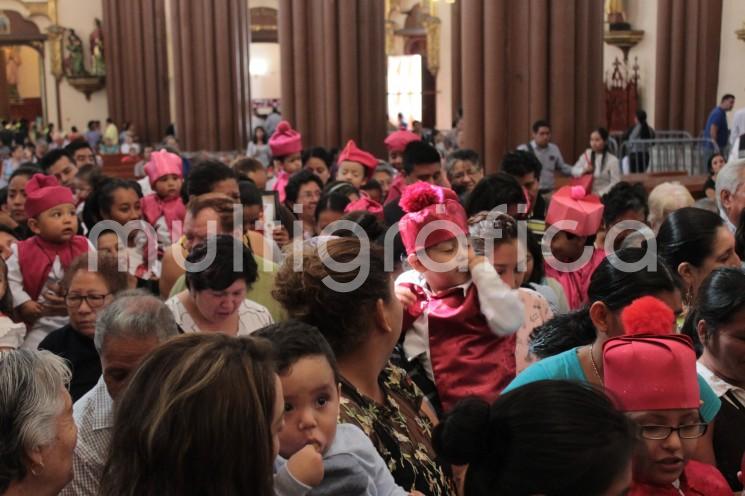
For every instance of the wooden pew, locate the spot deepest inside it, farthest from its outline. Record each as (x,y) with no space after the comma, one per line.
(695,184)
(114,166)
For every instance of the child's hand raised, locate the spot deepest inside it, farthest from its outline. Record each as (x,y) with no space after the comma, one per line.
(307,466)
(405,296)
(473,259)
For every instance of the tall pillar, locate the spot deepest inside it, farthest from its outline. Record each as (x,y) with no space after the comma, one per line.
(688,39)
(137,65)
(334,71)
(210,51)
(529,60)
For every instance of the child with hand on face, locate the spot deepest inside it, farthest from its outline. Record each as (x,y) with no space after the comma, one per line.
(37,265)
(164,209)
(460,323)
(319,456)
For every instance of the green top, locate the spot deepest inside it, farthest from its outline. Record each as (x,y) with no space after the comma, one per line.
(260,292)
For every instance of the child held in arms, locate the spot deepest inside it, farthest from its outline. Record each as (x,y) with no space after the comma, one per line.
(356,166)
(164,209)
(460,317)
(316,452)
(37,265)
(285,145)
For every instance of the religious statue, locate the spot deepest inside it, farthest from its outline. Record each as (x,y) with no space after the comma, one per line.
(615,13)
(12,63)
(98,66)
(74,64)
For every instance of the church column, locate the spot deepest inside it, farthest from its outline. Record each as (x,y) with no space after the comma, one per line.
(4,96)
(211,78)
(523,61)
(688,39)
(333,71)
(136,63)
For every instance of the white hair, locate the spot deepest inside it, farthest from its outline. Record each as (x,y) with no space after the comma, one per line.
(31,386)
(729,178)
(135,314)
(665,199)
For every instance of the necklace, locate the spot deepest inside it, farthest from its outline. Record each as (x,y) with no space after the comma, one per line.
(594,365)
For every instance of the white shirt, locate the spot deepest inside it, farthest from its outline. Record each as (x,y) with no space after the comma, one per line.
(606,173)
(501,306)
(94,417)
(738,125)
(251,316)
(719,385)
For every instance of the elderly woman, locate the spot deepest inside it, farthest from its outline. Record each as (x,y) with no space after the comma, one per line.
(358,313)
(215,297)
(87,293)
(717,321)
(665,199)
(39,433)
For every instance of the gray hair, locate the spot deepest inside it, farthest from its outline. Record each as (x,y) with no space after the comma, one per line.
(31,383)
(729,178)
(135,314)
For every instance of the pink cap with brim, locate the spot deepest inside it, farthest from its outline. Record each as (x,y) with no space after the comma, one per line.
(45,192)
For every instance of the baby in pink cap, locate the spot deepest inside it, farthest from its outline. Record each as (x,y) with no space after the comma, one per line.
(164,209)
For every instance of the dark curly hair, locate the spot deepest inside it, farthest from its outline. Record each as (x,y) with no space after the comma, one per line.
(220,273)
(624,197)
(342,317)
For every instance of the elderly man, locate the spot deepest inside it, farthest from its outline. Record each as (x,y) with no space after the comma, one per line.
(127,330)
(464,170)
(731,193)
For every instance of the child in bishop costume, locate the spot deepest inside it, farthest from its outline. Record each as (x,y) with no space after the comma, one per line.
(37,265)
(164,209)
(653,379)
(460,318)
(285,145)
(356,166)
(577,216)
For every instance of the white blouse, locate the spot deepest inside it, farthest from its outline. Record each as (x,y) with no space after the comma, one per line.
(251,316)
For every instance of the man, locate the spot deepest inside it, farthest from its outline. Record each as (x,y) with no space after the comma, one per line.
(81,153)
(731,193)
(737,141)
(93,134)
(59,164)
(716,125)
(464,170)
(126,332)
(526,168)
(548,155)
(421,163)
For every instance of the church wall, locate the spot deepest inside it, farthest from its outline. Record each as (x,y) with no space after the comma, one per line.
(29,81)
(732,54)
(642,14)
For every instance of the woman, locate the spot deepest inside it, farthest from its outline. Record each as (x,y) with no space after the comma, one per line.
(87,293)
(302,193)
(713,165)
(717,320)
(200,416)
(665,199)
(215,297)
(258,147)
(39,433)
(598,162)
(16,217)
(579,445)
(376,396)
(693,242)
(318,161)
(330,208)
(638,154)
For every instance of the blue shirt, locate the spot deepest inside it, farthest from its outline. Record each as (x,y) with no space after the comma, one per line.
(719,117)
(566,366)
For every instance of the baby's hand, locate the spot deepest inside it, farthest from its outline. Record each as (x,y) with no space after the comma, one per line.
(30,311)
(405,295)
(307,466)
(473,259)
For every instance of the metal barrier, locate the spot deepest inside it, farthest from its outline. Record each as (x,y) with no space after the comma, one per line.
(668,154)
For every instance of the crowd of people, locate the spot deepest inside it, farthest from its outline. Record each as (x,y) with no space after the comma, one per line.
(312,321)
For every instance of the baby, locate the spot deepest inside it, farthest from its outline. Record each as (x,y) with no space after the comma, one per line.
(351,465)
(164,209)
(356,166)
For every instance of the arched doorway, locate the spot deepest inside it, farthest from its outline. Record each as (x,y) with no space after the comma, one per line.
(22,75)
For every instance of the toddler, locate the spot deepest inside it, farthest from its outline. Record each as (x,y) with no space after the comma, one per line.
(285,145)
(356,166)
(164,209)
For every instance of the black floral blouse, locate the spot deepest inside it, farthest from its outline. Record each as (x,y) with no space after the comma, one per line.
(400,432)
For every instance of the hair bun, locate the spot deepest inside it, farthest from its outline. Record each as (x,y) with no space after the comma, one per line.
(462,437)
(648,315)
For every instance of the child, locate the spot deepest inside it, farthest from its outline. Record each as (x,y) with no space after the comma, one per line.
(356,166)
(11,333)
(499,233)
(384,175)
(373,190)
(164,209)
(310,384)
(396,143)
(37,264)
(286,145)
(567,264)
(462,323)
(653,379)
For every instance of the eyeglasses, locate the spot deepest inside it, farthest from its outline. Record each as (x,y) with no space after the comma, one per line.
(659,432)
(93,300)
